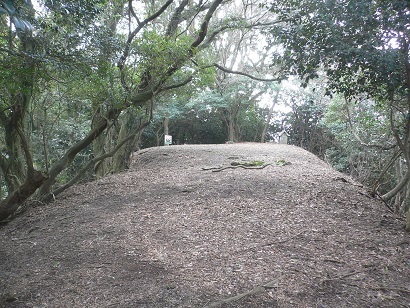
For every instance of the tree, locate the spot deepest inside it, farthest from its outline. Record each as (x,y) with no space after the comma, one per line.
(17,84)
(198,126)
(174,112)
(363,46)
(304,123)
(269,115)
(367,148)
(239,91)
(233,95)
(68,29)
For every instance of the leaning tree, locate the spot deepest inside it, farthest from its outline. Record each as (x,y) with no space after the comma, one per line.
(103,62)
(70,29)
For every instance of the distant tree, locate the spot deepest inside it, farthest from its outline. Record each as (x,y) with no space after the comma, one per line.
(269,114)
(174,108)
(304,123)
(203,126)
(251,123)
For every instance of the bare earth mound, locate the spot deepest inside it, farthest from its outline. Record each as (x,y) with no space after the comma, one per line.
(173,232)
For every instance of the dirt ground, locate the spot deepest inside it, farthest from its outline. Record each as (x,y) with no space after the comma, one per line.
(173,231)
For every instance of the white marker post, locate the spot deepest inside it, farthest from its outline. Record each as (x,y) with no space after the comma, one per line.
(167,140)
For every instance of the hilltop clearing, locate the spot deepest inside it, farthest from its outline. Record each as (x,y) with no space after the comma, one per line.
(235,225)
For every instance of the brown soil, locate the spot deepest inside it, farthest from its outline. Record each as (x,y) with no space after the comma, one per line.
(168,233)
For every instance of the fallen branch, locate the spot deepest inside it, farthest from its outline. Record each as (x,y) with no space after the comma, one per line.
(211,168)
(259,289)
(219,169)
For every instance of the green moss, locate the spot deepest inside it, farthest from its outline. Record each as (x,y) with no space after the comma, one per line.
(282,162)
(254,163)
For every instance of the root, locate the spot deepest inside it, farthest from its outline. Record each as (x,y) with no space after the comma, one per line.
(259,289)
(219,169)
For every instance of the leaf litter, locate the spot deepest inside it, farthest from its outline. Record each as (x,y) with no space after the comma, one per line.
(170,232)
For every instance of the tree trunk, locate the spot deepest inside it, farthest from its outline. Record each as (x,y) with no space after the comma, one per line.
(127,124)
(67,159)
(98,145)
(403,145)
(158,135)
(231,130)
(16,162)
(399,177)
(13,167)
(165,124)
(232,119)
(405,205)
(121,159)
(9,205)
(269,117)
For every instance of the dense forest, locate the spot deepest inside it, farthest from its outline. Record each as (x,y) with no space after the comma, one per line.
(84,84)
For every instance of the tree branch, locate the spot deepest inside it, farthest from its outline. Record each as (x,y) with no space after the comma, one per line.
(177,85)
(131,10)
(176,19)
(69,156)
(132,35)
(386,168)
(226,70)
(357,137)
(99,159)
(26,150)
(189,15)
(404,150)
(9,205)
(194,45)
(204,26)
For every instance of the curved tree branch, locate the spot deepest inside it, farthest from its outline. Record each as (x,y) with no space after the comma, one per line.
(403,145)
(226,70)
(132,35)
(204,26)
(69,156)
(132,12)
(177,85)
